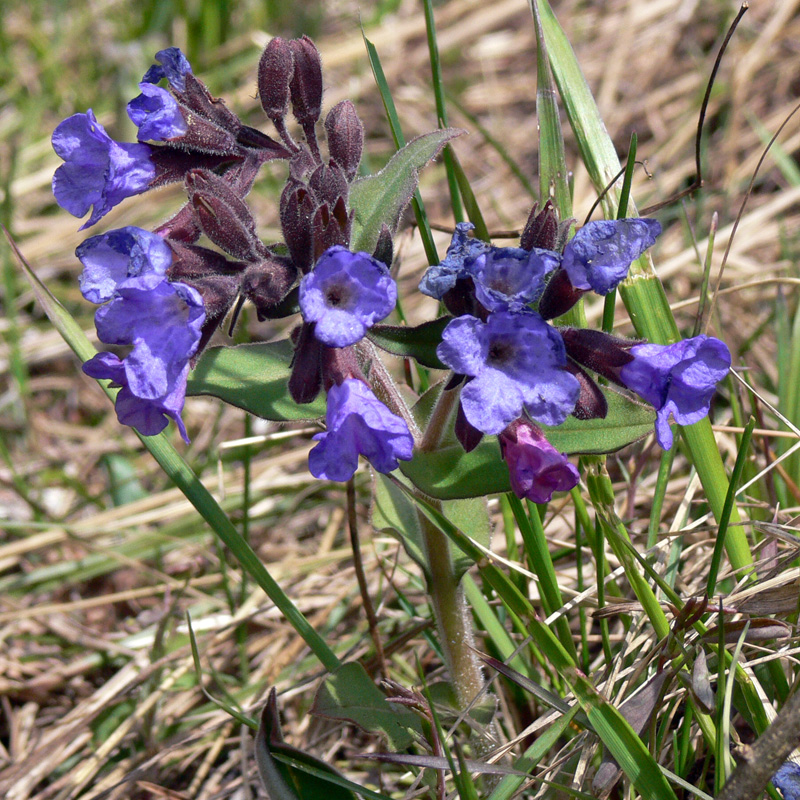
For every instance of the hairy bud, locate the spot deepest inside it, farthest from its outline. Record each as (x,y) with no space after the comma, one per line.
(541,228)
(275,70)
(306,81)
(345,137)
(223,215)
(267,283)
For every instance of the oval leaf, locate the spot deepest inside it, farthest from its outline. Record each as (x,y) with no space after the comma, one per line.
(349,694)
(379,199)
(419,342)
(254,377)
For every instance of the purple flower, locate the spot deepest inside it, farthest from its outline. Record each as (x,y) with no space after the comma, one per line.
(536,468)
(172,65)
(157,115)
(517,361)
(98,171)
(463,250)
(345,294)
(112,257)
(509,277)
(787,780)
(358,424)
(147,414)
(163,322)
(677,379)
(601,252)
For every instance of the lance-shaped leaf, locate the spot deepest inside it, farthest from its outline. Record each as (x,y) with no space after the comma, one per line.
(380,199)
(450,473)
(419,342)
(285,782)
(349,694)
(253,377)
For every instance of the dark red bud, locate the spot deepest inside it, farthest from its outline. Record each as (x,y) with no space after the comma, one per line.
(275,70)
(384,247)
(592,403)
(559,295)
(466,433)
(224,216)
(266,284)
(306,81)
(193,261)
(541,228)
(306,378)
(296,208)
(198,99)
(600,352)
(326,230)
(329,183)
(345,137)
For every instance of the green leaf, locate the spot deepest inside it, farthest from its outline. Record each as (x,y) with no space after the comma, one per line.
(419,342)
(285,782)
(450,473)
(380,199)
(254,377)
(350,695)
(394,512)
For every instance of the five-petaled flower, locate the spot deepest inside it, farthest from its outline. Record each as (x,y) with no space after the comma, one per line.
(516,361)
(345,294)
(358,424)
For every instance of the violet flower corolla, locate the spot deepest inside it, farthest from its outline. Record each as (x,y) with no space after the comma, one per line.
(111,257)
(600,254)
(160,319)
(358,424)
(787,780)
(517,361)
(345,295)
(98,172)
(536,468)
(678,379)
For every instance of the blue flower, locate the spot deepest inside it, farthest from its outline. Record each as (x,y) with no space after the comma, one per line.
(517,361)
(157,115)
(678,379)
(509,277)
(345,294)
(112,257)
(787,780)
(463,250)
(358,424)
(98,171)
(162,321)
(536,468)
(147,414)
(172,65)
(599,255)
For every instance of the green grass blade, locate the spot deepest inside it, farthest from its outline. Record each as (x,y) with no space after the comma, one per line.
(642,292)
(399,141)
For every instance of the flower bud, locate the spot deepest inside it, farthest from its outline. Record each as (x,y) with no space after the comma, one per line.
(541,228)
(591,403)
(306,81)
(558,296)
(345,137)
(223,215)
(275,70)
(296,208)
(266,284)
(306,378)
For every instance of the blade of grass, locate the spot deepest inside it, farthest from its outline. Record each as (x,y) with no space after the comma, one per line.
(642,293)
(399,142)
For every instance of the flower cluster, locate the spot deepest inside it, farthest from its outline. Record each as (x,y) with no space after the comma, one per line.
(165,294)
(518,369)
